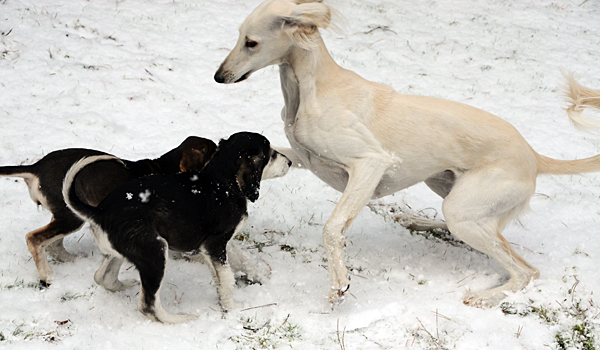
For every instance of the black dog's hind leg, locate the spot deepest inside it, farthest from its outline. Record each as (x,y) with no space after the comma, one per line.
(38,240)
(151,262)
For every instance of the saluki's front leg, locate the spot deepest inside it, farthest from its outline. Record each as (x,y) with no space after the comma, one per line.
(364,176)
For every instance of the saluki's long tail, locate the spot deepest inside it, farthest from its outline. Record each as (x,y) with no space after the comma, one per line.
(547,165)
(83,210)
(579,98)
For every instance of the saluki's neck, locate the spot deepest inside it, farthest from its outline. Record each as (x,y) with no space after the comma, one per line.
(300,75)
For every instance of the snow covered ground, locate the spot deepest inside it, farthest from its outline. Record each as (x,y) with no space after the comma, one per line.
(135,77)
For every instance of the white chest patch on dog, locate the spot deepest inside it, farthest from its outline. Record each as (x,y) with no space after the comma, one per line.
(145,196)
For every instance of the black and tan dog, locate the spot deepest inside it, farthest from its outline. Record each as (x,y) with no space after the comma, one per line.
(187,212)
(45,178)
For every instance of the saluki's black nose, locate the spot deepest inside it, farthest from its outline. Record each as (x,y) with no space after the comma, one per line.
(219,77)
(289,163)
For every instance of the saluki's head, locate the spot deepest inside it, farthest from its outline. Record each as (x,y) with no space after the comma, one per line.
(269,34)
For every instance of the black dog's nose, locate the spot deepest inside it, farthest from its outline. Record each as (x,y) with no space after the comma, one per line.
(289,163)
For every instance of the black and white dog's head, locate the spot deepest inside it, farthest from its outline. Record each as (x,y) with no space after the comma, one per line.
(255,161)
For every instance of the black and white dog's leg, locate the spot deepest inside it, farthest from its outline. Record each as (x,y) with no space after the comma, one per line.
(215,256)
(108,274)
(239,263)
(38,241)
(57,250)
(151,265)
(225,282)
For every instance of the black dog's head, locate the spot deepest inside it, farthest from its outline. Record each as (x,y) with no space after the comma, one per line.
(255,160)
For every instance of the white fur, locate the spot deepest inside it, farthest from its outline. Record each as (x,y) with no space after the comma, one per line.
(223,276)
(277,166)
(368,141)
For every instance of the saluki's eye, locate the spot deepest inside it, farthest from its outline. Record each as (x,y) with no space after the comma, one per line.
(251,43)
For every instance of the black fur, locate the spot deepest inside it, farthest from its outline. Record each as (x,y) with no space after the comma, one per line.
(95,182)
(190,211)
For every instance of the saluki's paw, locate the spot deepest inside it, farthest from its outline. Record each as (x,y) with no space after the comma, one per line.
(45,283)
(337,295)
(485,299)
(230,305)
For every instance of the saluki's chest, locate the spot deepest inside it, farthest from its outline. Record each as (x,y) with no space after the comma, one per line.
(311,138)
(330,150)
(315,150)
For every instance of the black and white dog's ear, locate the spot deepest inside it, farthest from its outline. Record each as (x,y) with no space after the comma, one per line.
(195,159)
(249,176)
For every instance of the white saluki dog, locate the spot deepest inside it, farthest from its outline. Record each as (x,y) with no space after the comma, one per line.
(367,141)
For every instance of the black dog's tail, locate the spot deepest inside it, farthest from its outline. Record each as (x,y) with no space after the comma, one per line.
(24,171)
(83,210)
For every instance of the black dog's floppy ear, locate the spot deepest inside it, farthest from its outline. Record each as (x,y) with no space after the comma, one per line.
(195,159)
(249,175)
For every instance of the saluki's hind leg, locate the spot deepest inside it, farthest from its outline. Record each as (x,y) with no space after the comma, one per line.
(476,210)
(441,183)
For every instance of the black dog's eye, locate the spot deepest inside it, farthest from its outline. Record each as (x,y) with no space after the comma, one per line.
(251,43)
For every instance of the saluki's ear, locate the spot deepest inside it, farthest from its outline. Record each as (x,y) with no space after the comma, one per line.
(249,175)
(304,23)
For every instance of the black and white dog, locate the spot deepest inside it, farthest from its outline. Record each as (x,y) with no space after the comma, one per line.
(45,178)
(188,212)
